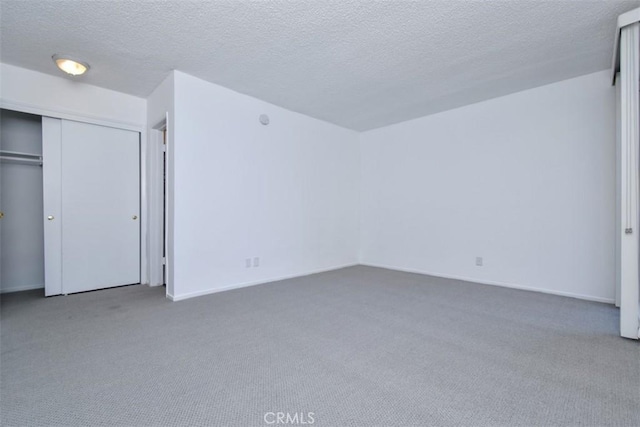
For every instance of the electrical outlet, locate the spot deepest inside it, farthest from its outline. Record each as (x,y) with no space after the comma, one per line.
(256,262)
(479,261)
(247,263)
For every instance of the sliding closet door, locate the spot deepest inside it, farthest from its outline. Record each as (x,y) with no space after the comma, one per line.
(100,203)
(91,206)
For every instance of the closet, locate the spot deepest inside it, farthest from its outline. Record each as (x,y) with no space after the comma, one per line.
(71,204)
(21,227)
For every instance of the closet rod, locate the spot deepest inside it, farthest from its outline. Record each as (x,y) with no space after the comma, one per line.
(21,161)
(6,153)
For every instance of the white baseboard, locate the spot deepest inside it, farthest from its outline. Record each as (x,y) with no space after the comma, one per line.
(389,267)
(494,283)
(254,283)
(21,288)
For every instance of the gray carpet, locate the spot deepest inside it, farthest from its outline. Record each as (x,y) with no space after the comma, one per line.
(357,347)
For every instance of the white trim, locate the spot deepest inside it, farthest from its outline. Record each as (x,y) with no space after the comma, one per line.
(629,134)
(406,270)
(169,205)
(494,283)
(618,226)
(257,282)
(21,288)
(624,20)
(629,18)
(70,115)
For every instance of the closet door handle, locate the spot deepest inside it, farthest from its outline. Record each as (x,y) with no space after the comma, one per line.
(134,217)
(50,217)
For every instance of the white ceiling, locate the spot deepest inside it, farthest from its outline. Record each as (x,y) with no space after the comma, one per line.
(358,64)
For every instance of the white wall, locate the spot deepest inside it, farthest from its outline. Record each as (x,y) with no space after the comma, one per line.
(525,181)
(161,101)
(286,192)
(38,93)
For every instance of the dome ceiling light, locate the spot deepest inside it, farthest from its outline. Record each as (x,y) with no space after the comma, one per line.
(70,65)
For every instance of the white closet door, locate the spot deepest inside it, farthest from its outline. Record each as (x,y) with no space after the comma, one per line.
(100,189)
(51,170)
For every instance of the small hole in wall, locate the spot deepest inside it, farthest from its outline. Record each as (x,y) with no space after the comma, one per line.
(264,119)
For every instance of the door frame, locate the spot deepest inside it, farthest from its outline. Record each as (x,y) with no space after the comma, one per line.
(158,213)
(144,164)
(628,194)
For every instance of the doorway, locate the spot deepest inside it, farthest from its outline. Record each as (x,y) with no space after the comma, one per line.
(158,236)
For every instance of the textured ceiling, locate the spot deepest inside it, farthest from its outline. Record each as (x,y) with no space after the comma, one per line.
(359,64)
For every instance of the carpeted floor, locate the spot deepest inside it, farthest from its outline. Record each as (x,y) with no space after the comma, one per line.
(356,347)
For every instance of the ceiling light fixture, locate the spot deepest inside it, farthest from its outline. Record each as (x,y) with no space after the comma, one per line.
(70,65)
